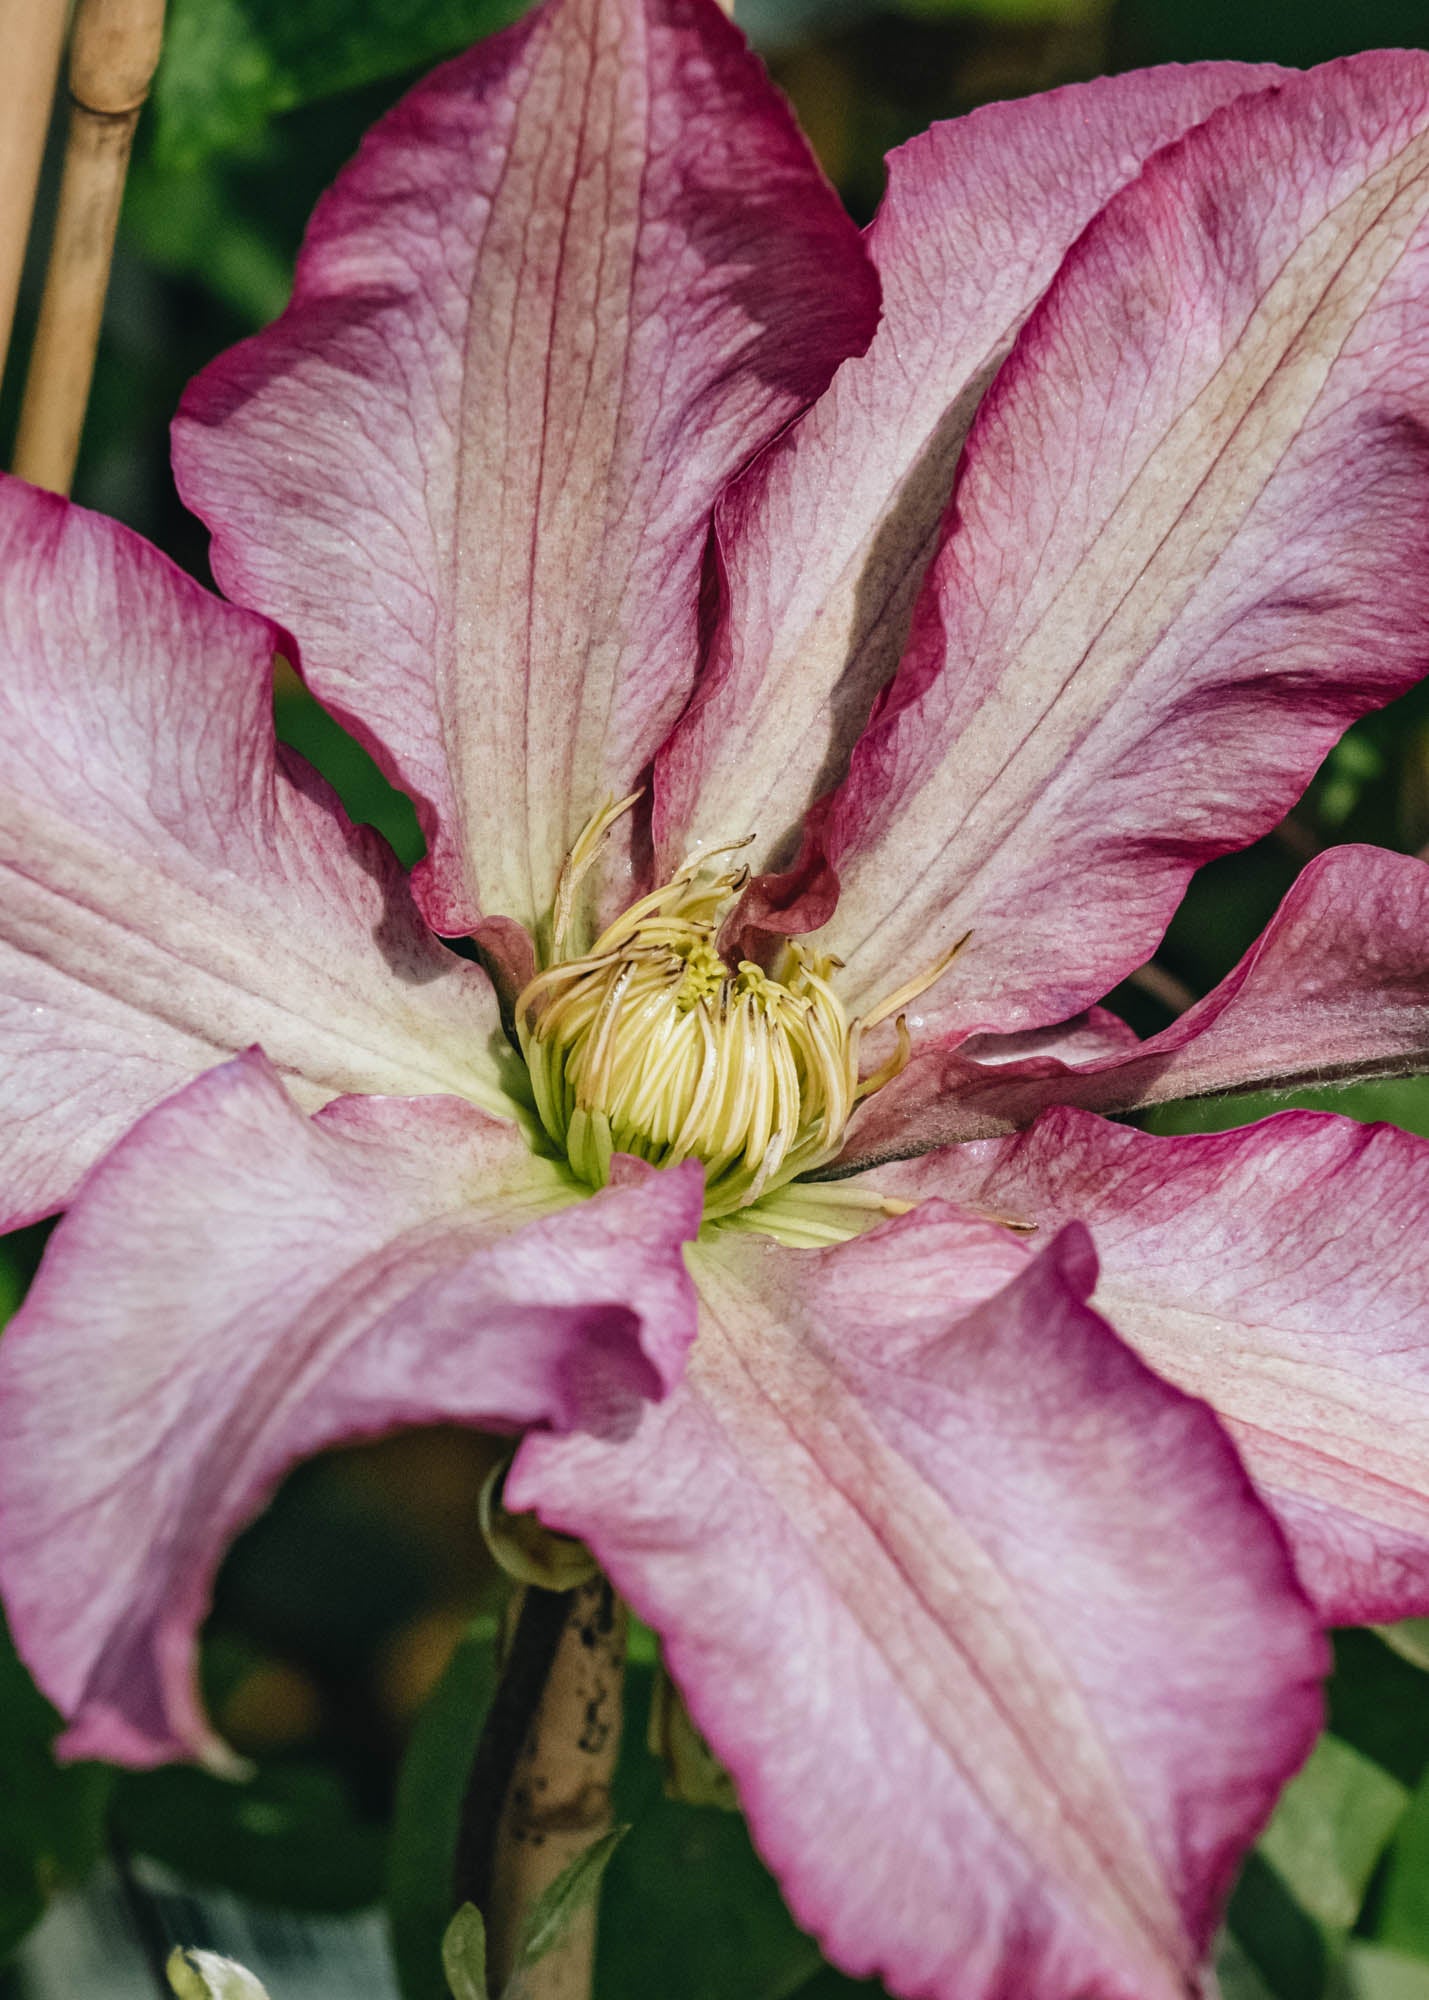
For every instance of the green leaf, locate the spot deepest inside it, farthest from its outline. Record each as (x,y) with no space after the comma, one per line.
(1281,1941)
(428,1812)
(289,1837)
(464,1954)
(366,795)
(1378,1704)
(188,225)
(1334,1820)
(1236,1974)
(229,66)
(12,1283)
(1403,1102)
(1409,1638)
(687,1907)
(1403,1914)
(573,1889)
(219,82)
(642,1648)
(1288,31)
(20,1254)
(51,1818)
(1014,13)
(827,1984)
(1303,1889)
(1371,1973)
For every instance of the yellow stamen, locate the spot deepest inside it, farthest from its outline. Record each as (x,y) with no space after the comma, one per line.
(812,1215)
(578,864)
(895,1064)
(913,987)
(649,1043)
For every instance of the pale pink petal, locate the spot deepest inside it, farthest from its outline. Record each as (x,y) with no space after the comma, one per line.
(238,1286)
(1085,1038)
(173,888)
(568,287)
(825,540)
(1004,1657)
(1282,1273)
(1189,546)
(1335,988)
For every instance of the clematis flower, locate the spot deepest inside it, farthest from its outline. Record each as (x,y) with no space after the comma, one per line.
(819,662)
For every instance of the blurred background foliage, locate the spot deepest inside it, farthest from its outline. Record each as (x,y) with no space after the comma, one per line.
(350,1649)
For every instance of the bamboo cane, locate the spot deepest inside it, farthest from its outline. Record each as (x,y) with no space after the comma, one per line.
(31,37)
(113,54)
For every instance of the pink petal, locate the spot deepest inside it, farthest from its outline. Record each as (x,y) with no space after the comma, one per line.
(1084,1039)
(569,286)
(239,1286)
(1282,1273)
(825,540)
(1335,988)
(1188,548)
(1005,1659)
(170,888)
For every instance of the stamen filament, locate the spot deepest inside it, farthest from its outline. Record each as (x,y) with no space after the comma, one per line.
(578,864)
(911,989)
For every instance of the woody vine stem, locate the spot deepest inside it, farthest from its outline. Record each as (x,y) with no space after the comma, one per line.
(539,1793)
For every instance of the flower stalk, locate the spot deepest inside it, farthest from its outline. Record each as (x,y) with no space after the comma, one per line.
(113,55)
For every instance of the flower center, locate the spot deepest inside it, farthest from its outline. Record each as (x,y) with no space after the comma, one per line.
(651,1044)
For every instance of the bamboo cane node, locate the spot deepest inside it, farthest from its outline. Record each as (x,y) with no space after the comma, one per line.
(32,36)
(113,55)
(127,118)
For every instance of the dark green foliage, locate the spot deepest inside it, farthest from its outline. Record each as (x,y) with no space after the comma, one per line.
(51,1818)
(428,1812)
(231,65)
(290,1837)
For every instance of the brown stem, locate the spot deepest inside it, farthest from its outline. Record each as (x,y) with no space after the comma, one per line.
(534,1627)
(1153,979)
(32,35)
(563,1678)
(113,55)
(1299,841)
